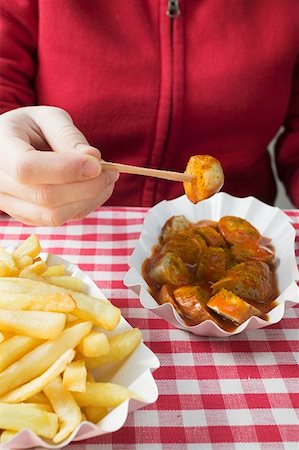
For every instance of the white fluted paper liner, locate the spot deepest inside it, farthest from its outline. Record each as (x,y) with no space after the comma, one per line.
(270,221)
(135,373)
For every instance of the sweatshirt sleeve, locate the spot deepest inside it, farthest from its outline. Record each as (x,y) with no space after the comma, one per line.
(287,147)
(18,50)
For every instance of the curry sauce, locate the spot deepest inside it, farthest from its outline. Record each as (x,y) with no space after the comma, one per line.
(221,271)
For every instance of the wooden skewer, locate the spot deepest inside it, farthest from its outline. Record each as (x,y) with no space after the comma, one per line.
(165,174)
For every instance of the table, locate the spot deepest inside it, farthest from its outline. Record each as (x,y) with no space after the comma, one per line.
(239,393)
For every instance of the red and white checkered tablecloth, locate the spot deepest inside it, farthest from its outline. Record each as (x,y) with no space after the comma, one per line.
(240,393)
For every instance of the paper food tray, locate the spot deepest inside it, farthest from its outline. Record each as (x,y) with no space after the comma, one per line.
(270,221)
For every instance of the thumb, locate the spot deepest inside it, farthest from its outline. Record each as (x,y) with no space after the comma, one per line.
(60,132)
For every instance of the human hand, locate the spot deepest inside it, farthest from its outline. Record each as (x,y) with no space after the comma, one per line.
(49,174)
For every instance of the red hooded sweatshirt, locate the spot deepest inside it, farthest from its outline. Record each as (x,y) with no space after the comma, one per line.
(152,82)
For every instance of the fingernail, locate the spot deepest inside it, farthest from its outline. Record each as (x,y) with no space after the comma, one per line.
(91,168)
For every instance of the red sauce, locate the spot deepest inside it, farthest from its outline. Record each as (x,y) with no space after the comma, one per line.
(263,304)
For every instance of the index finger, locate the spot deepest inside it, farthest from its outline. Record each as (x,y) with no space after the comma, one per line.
(29,166)
(60,131)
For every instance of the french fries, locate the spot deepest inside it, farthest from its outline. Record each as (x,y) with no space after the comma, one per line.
(66,408)
(95,413)
(18,416)
(59,302)
(55,271)
(40,397)
(8,266)
(49,343)
(100,312)
(14,348)
(39,324)
(30,247)
(94,344)
(38,267)
(4,270)
(103,394)
(74,376)
(121,346)
(37,384)
(34,363)
(7,436)
(75,284)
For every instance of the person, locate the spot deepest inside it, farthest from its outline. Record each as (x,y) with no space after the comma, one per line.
(147,83)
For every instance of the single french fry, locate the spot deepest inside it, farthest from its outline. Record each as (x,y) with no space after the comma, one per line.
(100,312)
(28,275)
(95,413)
(23,261)
(58,302)
(16,285)
(34,363)
(66,408)
(7,436)
(37,384)
(16,417)
(14,348)
(74,376)
(94,344)
(39,397)
(103,394)
(30,247)
(121,346)
(39,324)
(4,270)
(41,406)
(7,264)
(67,282)
(56,270)
(38,268)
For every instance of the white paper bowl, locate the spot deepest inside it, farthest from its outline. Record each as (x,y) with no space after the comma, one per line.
(270,221)
(135,373)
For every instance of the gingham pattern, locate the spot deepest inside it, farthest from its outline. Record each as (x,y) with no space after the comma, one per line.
(232,394)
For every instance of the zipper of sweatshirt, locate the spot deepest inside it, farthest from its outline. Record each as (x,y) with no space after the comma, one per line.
(169,10)
(173,11)
(173,8)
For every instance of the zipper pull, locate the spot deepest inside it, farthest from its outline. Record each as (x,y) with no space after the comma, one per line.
(173,9)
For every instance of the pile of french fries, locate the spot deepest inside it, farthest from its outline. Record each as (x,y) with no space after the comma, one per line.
(52,336)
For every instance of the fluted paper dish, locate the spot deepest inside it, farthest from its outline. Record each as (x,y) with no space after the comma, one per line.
(135,373)
(270,221)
